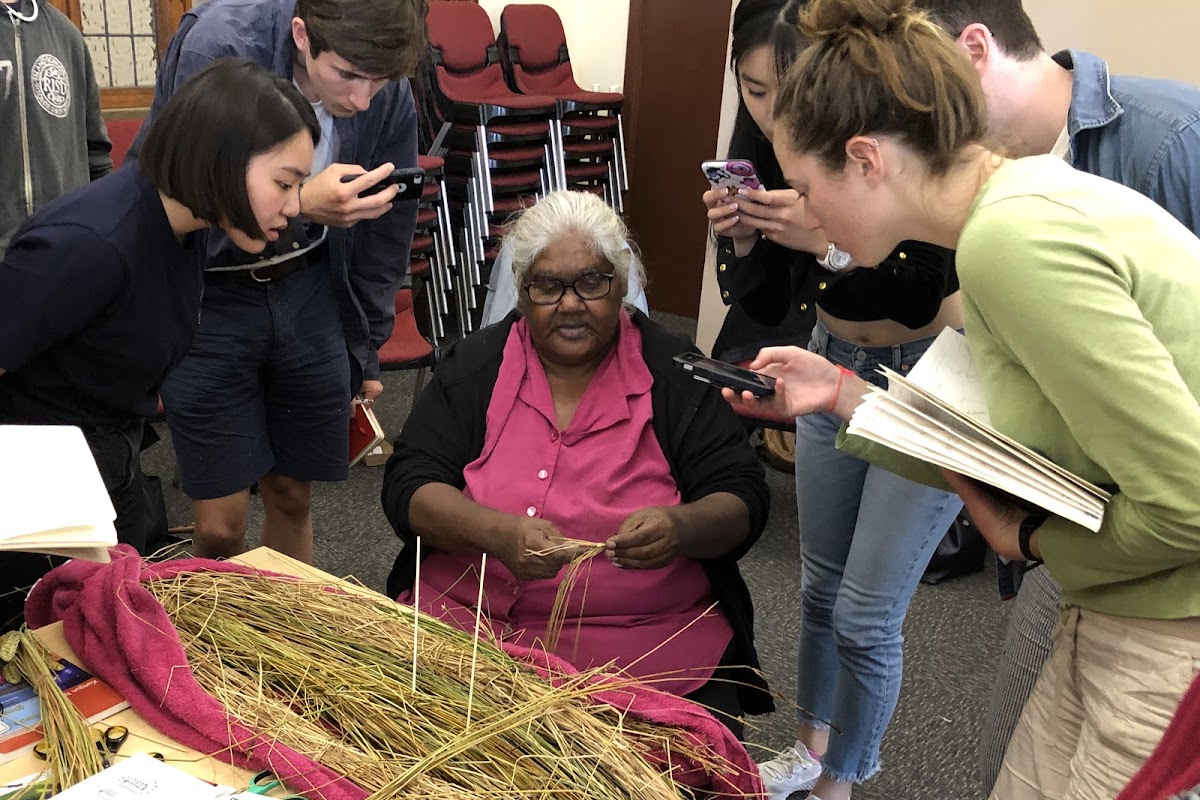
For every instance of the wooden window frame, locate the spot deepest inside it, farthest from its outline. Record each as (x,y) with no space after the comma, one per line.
(167,14)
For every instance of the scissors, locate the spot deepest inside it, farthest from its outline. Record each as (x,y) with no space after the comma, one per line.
(265,781)
(108,742)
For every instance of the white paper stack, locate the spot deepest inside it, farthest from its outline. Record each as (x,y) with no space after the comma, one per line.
(938,414)
(52,498)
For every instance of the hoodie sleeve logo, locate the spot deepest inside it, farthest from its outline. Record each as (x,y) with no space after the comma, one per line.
(51,85)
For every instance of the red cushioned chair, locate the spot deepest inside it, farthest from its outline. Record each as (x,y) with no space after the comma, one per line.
(407,348)
(121,132)
(498,145)
(533,51)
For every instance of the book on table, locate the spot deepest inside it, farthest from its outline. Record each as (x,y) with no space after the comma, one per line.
(21,711)
(938,414)
(52,498)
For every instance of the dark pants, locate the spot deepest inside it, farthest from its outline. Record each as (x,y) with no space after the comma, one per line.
(720,696)
(116,449)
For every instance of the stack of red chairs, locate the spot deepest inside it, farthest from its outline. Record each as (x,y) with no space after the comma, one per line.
(511,123)
(498,145)
(586,125)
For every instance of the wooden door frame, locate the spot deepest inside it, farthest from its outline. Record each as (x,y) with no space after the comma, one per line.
(167,15)
(665,190)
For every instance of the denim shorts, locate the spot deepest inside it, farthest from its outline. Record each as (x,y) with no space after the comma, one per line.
(265,386)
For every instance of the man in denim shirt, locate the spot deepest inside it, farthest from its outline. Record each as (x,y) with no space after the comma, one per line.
(1141,132)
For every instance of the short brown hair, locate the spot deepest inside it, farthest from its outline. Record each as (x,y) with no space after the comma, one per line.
(380,37)
(1011,27)
(879,67)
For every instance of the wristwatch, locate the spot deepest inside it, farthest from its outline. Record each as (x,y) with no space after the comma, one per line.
(1025,532)
(835,260)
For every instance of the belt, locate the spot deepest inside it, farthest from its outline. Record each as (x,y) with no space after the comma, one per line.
(268,274)
(273,272)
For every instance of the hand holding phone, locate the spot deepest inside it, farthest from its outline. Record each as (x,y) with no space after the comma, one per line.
(410,180)
(325,200)
(722,374)
(728,180)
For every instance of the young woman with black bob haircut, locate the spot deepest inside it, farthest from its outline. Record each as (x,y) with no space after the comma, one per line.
(100,289)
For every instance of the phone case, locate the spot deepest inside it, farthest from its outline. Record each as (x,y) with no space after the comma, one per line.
(720,373)
(734,174)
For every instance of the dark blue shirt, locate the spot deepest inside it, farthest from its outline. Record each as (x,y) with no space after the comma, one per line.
(98,302)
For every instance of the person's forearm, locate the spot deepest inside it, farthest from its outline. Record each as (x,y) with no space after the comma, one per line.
(449,521)
(711,526)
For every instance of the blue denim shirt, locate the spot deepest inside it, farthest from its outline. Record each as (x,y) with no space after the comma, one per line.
(1140,132)
(368,261)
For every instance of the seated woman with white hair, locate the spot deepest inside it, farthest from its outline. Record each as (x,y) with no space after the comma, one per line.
(569,421)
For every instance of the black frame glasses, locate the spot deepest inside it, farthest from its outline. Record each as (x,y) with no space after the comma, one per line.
(549,291)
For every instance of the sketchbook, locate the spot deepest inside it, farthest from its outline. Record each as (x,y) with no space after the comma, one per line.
(938,414)
(52,498)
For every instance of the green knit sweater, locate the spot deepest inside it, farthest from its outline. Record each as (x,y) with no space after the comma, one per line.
(1082,304)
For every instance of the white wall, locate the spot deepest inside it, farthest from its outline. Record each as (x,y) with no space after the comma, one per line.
(596,30)
(712,310)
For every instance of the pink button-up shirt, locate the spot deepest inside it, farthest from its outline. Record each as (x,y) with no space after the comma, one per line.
(586,479)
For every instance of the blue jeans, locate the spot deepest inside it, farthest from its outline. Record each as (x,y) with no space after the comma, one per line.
(866,536)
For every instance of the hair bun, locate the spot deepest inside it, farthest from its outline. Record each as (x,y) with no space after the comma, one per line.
(830,19)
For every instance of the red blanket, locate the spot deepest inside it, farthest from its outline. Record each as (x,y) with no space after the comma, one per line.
(1174,766)
(123,635)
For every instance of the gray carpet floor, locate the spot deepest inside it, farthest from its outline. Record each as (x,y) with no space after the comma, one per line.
(951,635)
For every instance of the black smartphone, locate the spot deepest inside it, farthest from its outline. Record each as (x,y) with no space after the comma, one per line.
(411,181)
(720,373)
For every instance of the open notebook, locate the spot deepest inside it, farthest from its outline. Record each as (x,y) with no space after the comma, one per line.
(938,414)
(52,499)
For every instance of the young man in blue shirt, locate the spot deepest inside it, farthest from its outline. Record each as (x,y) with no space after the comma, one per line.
(1141,132)
(288,337)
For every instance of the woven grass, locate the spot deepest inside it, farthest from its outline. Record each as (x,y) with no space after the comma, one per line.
(330,674)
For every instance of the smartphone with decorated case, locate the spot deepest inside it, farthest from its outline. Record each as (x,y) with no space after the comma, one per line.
(735,174)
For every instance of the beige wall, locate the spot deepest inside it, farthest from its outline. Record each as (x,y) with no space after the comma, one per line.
(596,34)
(1152,37)
(712,310)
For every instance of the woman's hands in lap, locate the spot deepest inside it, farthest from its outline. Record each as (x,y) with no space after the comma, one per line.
(647,539)
(531,535)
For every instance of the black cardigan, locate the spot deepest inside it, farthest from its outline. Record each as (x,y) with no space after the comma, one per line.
(701,437)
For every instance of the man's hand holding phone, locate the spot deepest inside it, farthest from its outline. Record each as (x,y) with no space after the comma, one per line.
(326,200)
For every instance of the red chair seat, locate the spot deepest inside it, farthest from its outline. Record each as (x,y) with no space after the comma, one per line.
(431,163)
(122,132)
(406,347)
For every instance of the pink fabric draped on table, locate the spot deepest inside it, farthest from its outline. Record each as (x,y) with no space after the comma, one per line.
(123,635)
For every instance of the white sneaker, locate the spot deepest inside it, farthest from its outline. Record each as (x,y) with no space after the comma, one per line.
(793,770)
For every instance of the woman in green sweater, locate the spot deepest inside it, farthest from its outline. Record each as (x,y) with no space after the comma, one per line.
(1080,300)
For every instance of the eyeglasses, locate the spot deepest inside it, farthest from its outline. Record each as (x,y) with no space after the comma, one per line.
(589,286)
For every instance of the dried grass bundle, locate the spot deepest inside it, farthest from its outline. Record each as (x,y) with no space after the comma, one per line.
(329,674)
(71,751)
